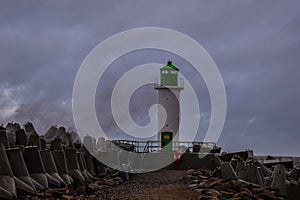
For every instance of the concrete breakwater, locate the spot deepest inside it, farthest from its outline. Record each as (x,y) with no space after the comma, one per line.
(55,166)
(31,164)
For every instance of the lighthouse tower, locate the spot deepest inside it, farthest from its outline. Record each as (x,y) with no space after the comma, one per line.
(168,97)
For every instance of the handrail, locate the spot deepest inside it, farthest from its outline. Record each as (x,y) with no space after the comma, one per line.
(146,148)
(151,146)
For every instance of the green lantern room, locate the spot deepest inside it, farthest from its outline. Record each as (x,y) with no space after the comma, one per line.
(169,75)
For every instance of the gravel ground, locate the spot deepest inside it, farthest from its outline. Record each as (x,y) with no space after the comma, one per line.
(163,184)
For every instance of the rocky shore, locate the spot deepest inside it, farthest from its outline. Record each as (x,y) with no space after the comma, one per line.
(163,184)
(246,180)
(193,184)
(212,187)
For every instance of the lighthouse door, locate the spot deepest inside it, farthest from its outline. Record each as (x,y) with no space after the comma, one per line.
(166,141)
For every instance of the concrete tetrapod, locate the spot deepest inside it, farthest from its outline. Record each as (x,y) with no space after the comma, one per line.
(43,143)
(233,162)
(265,170)
(227,172)
(21,137)
(82,165)
(99,166)
(34,140)
(29,128)
(85,166)
(65,137)
(295,173)
(21,185)
(22,179)
(51,170)
(3,137)
(11,129)
(50,134)
(4,194)
(254,174)
(61,165)
(7,182)
(73,166)
(279,180)
(241,169)
(89,164)
(56,144)
(35,165)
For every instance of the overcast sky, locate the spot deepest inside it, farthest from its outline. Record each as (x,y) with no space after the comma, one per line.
(255,44)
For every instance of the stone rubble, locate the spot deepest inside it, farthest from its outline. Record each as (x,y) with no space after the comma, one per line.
(89,190)
(239,179)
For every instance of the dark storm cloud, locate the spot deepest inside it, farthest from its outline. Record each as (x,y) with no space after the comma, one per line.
(255,44)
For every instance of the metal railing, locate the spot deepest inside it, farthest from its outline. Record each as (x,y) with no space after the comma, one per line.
(151,146)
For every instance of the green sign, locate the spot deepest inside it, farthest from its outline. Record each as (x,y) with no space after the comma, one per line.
(166,141)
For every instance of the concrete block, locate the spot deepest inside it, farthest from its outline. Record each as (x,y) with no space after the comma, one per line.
(29,128)
(254,174)
(6,174)
(77,144)
(65,136)
(34,140)
(295,173)
(18,166)
(233,162)
(227,172)
(279,180)
(89,163)
(35,165)
(241,169)
(21,185)
(48,161)
(56,144)
(21,137)
(83,165)
(266,172)
(43,142)
(61,165)
(4,194)
(51,170)
(73,165)
(4,138)
(11,129)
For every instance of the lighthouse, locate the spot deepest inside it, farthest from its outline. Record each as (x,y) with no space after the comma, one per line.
(169,98)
